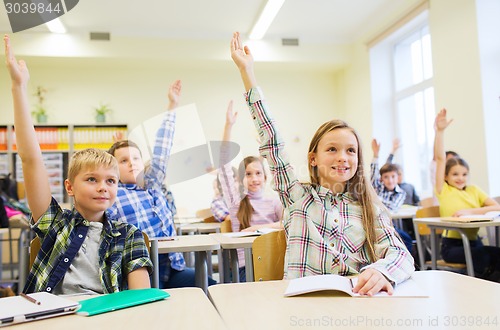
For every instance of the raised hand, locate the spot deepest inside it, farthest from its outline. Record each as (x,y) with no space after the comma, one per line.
(174,94)
(375,147)
(395,145)
(18,70)
(441,122)
(230,114)
(241,56)
(243,59)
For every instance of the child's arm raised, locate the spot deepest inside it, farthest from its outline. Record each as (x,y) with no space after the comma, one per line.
(155,174)
(440,124)
(243,59)
(230,191)
(271,143)
(35,175)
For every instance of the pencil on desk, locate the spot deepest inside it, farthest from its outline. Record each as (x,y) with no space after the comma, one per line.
(33,300)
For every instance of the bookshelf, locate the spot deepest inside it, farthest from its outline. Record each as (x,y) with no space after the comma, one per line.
(58,143)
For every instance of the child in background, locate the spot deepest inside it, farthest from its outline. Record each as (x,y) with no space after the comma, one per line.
(333,224)
(249,210)
(411,194)
(141,200)
(83,251)
(385,181)
(456,198)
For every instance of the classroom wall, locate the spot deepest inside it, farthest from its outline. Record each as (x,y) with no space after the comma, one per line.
(458,83)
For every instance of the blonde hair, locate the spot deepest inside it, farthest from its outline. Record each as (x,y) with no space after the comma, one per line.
(245,210)
(358,186)
(90,159)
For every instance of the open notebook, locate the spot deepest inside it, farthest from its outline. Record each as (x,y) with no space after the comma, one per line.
(118,300)
(18,309)
(489,216)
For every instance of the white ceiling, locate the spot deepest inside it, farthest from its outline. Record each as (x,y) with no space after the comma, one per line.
(316,23)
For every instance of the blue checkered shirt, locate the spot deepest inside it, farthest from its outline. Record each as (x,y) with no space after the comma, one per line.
(392,199)
(148,208)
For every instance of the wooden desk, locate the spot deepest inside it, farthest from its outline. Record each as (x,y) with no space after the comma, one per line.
(435,223)
(176,312)
(199,244)
(200,228)
(229,246)
(454,299)
(403,213)
(2,232)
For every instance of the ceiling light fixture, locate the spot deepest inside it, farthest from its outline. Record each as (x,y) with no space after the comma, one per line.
(56,26)
(266,18)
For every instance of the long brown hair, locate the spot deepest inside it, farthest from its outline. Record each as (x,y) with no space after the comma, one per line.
(245,210)
(358,186)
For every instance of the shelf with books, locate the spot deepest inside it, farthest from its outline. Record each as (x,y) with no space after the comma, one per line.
(97,136)
(58,143)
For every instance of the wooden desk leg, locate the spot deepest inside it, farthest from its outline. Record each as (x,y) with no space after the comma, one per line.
(200,270)
(249,265)
(433,247)
(420,249)
(467,252)
(154,259)
(235,267)
(224,275)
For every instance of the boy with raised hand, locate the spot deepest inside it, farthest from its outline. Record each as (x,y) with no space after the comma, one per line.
(141,200)
(83,251)
(385,181)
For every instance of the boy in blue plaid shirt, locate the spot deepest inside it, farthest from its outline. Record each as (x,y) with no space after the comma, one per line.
(141,200)
(83,250)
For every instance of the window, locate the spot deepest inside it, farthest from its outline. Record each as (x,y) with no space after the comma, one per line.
(414,106)
(403,99)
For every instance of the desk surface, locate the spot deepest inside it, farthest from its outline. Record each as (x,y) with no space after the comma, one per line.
(176,312)
(438,222)
(454,299)
(227,242)
(188,243)
(201,227)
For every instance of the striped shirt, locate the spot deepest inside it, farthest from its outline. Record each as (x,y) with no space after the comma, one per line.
(324,230)
(121,251)
(219,208)
(148,208)
(392,199)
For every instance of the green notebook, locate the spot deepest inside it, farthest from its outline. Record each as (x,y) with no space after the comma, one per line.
(118,300)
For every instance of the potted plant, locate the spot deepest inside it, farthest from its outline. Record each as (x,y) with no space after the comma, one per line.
(40,112)
(100,112)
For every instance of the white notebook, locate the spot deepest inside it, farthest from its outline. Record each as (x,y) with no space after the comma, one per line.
(18,309)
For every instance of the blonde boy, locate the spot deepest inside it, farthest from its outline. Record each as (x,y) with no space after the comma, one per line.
(83,250)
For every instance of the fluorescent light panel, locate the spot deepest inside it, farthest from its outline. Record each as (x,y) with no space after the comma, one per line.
(56,26)
(266,18)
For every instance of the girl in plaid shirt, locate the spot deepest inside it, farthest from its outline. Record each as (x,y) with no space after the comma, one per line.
(334,225)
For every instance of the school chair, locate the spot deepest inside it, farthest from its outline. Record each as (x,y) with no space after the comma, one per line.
(226,226)
(268,253)
(35,246)
(203,213)
(425,237)
(426,202)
